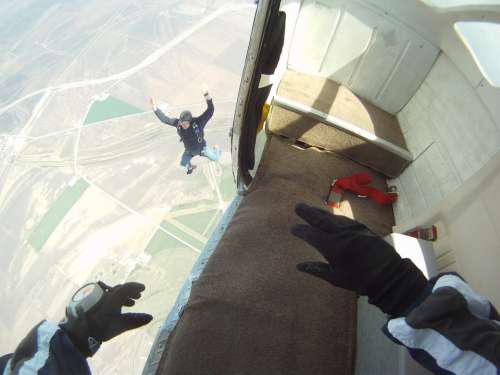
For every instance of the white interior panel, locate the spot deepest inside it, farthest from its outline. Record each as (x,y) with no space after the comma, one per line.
(436,25)
(491,98)
(451,133)
(312,35)
(468,221)
(352,38)
(413,64)
(452,128)
(474,236)
(367,50)
(387,49)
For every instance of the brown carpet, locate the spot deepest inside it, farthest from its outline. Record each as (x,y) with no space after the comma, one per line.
(328,97)
(312,132)
(251,312)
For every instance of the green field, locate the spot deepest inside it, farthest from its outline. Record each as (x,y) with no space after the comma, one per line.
(193,222)
(163,241)
(198,221)
(56,213)
(109,108)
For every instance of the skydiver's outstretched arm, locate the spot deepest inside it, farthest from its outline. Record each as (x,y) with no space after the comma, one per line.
(445,325)
(47,349)
(207,115)
(162,116)
(91,319)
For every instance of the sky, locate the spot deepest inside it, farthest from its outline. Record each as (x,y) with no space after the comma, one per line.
(90,183)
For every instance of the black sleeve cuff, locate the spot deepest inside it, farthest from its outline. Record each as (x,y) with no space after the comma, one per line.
(395,292)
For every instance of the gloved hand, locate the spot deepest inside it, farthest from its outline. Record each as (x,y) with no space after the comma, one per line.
(204,91)
(105,320)
(152,104)
(359,260)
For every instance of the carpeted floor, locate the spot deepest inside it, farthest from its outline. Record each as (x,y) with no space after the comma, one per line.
(328,97)
(251,312)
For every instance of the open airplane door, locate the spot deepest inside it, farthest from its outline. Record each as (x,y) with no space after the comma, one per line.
(264,52)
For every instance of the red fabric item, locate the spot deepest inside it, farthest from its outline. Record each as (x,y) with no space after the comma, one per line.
(358,184)
(429,233)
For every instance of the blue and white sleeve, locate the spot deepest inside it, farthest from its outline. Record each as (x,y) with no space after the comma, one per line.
(46,350)
(453,331)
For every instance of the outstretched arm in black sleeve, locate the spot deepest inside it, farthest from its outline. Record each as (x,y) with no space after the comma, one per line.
(446,326)
(207,115)
(162,116)
(93,316)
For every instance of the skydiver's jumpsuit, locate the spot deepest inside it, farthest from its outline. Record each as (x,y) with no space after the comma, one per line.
(193,137)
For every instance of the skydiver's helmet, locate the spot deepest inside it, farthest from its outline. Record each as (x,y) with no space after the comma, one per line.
(186,116)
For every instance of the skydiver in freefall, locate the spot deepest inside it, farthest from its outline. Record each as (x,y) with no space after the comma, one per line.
(191,132)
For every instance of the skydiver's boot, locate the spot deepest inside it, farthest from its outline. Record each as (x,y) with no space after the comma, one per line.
(190,170)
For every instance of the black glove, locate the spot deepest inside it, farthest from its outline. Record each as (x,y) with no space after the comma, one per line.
(105,320)
(359,260)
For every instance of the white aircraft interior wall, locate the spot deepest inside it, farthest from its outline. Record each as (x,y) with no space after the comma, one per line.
(437,26)
(451,119)
(472,234)
(452,126)
(451,134)
(366,49)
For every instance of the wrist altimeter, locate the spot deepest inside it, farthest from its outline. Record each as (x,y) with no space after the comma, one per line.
(84,299)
